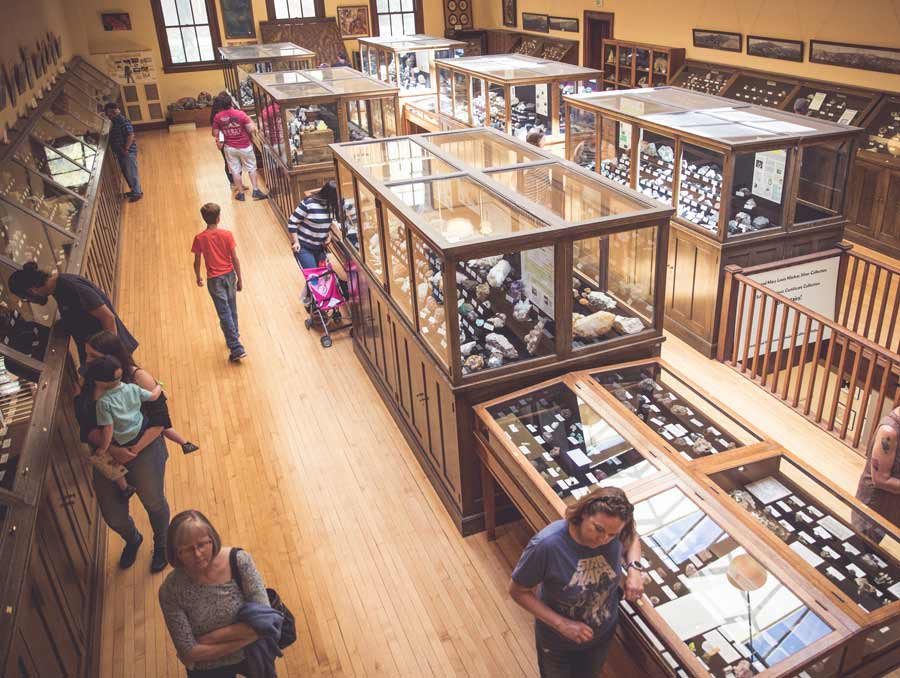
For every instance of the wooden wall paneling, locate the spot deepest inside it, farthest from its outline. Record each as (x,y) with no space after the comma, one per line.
(319,34)
(890,224)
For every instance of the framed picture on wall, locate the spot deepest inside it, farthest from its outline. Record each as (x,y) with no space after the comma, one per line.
(237,16)
(559,23)
(775,48)
(509,12)
(535,22)
(865,57)
(353,21)
(727,42)
(115,21)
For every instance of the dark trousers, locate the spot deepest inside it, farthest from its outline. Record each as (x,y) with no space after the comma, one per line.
(587,663)
(231,671)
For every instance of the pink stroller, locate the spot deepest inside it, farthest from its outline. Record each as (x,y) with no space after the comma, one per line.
(323,300)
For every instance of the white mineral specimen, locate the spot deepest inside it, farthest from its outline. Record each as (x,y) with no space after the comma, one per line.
(600,301)
(467,348)
(500,344)
(521,310)
(627,325)
(498,273)
(593,325)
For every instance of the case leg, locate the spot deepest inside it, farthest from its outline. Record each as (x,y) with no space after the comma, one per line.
(490,507)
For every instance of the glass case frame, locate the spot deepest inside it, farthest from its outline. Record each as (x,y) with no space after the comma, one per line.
(494,152)
(379,54)
(500,74)
(239,61)
(691,120)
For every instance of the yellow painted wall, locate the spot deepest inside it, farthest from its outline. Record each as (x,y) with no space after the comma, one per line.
(665,22)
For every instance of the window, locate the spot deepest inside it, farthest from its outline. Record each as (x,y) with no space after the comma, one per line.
(397,17)
(188,33)
(295,9)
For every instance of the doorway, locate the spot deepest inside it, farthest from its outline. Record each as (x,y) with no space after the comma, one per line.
(597,27)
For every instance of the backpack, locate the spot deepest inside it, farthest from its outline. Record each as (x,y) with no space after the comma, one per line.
(289,625)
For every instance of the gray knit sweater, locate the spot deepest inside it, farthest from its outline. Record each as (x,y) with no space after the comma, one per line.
(192,610)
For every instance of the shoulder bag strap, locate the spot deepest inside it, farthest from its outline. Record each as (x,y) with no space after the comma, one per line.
(235,572)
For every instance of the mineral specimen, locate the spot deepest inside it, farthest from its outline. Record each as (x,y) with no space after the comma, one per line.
(466,309)
(680,411)
(761,222)
(521,310)
(600,301)
(482,292)
(702,446)
(628,325)
(742,192)
(474,363)
(744,499)
(533,338)
(485,262)
(495,360)
(594,325)
(666,153)
(498,273)
(750,204)
(467,348)
(499,343)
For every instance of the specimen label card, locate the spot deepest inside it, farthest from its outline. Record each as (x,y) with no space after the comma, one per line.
(836,528)
(768,489)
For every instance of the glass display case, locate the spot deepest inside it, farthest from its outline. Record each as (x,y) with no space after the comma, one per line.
(299,113)
(18,387)
(883,131)
(629,64)
(407,61)
(97,88)
(239,61)
(827,101)
(512,93)
(763,89)
(703,77)
(478,225)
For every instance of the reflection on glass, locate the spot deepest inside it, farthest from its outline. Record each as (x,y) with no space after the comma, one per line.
(505,305)
(18,387)
(369,233)
(429,285)
(376,118)
(349,221)
(398,263)
(687,583)
(81,150)
(572,446)
(311,129)
(29,189)
(396,159)
(461,97)
(445,92)
(529,107)
(820,192)
(24,238)
(484,150)
(857,554)
(497,102)
(692,425)
(583,137)
(757,192)
(462,210)
(39,158)
(67,104)
(478,107)
(390,118)
(612,286)
(615,150)
(24,326)
(700,186)
(656,165)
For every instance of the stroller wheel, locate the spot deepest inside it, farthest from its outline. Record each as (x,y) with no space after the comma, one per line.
(308,323)
(326,341)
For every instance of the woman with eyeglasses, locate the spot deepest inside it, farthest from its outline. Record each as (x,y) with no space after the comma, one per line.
(570,578)
(200,599)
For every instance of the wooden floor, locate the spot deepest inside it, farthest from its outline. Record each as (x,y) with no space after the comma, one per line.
(301,464)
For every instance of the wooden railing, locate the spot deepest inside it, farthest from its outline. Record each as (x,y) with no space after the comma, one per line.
(839,380)
(870,301)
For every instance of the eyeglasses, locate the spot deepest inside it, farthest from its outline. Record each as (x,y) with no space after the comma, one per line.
(199,546)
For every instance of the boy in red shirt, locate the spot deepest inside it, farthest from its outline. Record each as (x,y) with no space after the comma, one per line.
(232,129)
(223,273)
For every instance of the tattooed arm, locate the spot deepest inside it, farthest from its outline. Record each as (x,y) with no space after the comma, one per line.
(883,453)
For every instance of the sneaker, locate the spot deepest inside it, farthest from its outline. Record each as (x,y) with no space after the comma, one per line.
(189,447)
(259,195)
(238,356)
(158,562)
(127,492)
(134,197)
(239,196)
(127,194)
(129,553)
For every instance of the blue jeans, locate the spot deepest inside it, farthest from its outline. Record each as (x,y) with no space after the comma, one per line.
(309,257)
(223,290)
(147,474)
(128,165)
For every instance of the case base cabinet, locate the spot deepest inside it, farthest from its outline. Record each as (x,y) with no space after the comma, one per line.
(874,210)
(696,274)
(436,418)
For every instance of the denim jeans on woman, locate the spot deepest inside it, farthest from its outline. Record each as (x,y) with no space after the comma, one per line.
(147,474)
(128,165)
(223,290)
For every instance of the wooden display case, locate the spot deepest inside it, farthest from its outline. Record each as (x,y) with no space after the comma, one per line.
(299,113)
(522,92)
(750,185)
(407,61)
(60,203)
(503,41)
(704,77)
(550,444)
(479,261)
(627,64)
(239,61)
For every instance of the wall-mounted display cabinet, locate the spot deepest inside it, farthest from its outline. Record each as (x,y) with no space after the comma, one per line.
(505,41)
(512,93)
(627,64)
(407,61)
(703,77)
(239,61)
(60,202)
(824,601)
(490,262)
(749,184)
(299,113)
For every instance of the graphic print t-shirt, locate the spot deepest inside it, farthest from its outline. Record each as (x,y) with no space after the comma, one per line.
(578,582)
(232,124)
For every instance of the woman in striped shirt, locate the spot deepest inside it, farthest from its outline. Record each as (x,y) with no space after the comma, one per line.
(310,225)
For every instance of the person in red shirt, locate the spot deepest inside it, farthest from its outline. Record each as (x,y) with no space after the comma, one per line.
(232,129)
(223,275)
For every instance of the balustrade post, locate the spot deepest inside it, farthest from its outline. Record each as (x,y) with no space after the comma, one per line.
(729,307)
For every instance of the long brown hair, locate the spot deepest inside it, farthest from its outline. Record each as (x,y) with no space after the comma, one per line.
(107,343)
(610,501)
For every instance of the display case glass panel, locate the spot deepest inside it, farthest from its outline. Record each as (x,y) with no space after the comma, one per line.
(884,129)
(700,186)
(28,189)
(24,326)
(399,274)
(398,159)
(583,137)
(428,281)
(68,103)
(505,308)
(461,97)
(73,126)
(529,107)
(702,78)
(483,150)
(309,139)
(415,71)
(615,150)
(758,192)
(479,113)
(656,166)
(822,185)
(855,553)
(572,87)
(571,445)
(688,558)
(18,388)
(24,237)
(81,150)
(445,91)
(349,215)
(691,424)
(370,232)
(760,90)
(843,108)
(35,156)
(497,101)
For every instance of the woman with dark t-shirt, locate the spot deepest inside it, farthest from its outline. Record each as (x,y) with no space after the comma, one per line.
(569,578)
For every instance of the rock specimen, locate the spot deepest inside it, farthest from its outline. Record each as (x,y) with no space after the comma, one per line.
(485,262)
(498,320)
(680,411)
(761,222)
(499,343)
(516,289)
(750,204)
(521,310)
(702,446)
(600,301)
(499,273)
(594,325)
(627,325)
(482,292)
(666,153)
(533,338)
(495,360)
(474,363)
(467,348)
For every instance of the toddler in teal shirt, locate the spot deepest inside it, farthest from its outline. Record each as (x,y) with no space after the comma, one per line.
(119,416)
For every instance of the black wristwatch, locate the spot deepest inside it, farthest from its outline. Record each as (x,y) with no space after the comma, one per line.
(636,564)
